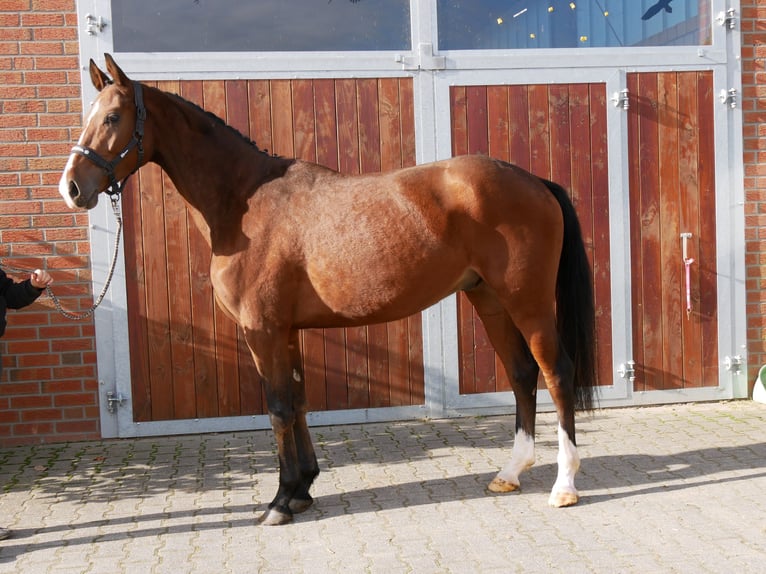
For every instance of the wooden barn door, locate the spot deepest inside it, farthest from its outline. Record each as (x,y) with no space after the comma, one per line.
(671,158)
(559,132)
(187,359)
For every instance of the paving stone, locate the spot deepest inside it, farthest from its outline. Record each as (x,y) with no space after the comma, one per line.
(675,488)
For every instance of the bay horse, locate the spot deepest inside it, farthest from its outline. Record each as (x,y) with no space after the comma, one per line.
(296,245)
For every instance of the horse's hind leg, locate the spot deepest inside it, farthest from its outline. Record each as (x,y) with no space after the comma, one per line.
(533,315)
(522,371)
(539,330)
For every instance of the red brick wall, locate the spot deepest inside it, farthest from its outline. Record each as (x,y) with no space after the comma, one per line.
(754,122)
(48,388)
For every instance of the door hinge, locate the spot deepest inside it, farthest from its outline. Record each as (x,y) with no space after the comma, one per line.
(423,59)
(728,97)
(728,19)
(114,400)
(621,99)
(627,371)
(94,25)
(733,364)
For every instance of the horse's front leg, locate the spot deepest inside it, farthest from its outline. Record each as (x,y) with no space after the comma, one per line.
(272,358)
(279,362)
(307,461)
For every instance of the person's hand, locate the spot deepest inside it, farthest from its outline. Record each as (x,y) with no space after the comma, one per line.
(40,279)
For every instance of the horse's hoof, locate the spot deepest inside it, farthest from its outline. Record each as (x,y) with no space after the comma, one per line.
(562,498)
(274,517)
(298,505)
(501,485)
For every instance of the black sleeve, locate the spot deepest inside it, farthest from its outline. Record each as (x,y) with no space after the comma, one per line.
(17,295)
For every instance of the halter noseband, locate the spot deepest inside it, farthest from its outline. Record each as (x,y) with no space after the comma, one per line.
(136,141)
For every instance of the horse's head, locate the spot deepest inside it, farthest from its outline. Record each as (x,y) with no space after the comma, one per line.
(111,146)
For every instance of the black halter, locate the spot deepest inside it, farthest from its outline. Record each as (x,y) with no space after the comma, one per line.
(136,141)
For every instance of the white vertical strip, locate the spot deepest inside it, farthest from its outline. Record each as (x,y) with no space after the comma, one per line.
(110,319)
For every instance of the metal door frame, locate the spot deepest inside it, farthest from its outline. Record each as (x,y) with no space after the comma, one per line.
(433,72)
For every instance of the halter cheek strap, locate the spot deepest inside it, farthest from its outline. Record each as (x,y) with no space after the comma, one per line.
(136,141)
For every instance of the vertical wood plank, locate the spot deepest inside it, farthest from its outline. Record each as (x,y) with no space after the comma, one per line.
(349,162)
(179,312)
(390,122)
(336,390)
(157,300)
(259,102)
(304,132)
(519,147)
(417,374)
(370,146)
(671,263)
(478,129)
(241,375)
(305,147)
(539,134)
(282,118)
(348,126)
(135,287)
(459,120)
(459,124)
(602,281)
(226,348)
(497,118)
(478,143)
(202,303)
(407,99)
(689,205)
(706,267)
(636,255)
(651,271)
(560,132)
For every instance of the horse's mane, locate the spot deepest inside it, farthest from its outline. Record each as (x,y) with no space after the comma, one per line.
(220,122)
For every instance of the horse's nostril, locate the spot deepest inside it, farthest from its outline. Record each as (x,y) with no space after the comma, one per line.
(74,191)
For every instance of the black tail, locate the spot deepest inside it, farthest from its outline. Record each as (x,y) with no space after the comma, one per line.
(575,308)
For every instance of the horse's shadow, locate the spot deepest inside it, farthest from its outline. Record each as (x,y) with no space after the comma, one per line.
(601,479)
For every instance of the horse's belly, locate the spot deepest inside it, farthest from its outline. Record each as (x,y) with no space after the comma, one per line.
(387,285)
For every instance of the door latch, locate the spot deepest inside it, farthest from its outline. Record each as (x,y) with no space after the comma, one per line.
(728,19)
(621,99)
(93,24)
(627,371)
(733,364)
(114,400)
(728,97)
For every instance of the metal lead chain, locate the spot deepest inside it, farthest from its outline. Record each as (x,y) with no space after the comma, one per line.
(89,312)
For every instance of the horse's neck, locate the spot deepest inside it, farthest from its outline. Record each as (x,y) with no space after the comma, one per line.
(212,167)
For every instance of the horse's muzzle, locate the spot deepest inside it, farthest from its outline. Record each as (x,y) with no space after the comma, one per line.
(74,195)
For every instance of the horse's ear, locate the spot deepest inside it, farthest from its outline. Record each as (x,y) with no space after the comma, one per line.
(114,70)
(99,78)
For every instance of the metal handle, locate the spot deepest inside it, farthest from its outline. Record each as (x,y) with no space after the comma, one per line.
(685,237)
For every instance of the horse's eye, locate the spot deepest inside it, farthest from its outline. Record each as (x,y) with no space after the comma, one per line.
(111,119)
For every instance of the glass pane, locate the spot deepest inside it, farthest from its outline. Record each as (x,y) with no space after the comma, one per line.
(485,24)
(262,25)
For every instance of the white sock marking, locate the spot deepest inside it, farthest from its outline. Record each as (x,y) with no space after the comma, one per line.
(568,462)
(522,457)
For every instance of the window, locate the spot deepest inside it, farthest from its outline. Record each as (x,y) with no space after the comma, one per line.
(519,24)
(262,25)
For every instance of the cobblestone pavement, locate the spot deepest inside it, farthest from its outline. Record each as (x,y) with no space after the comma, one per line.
(664,489)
